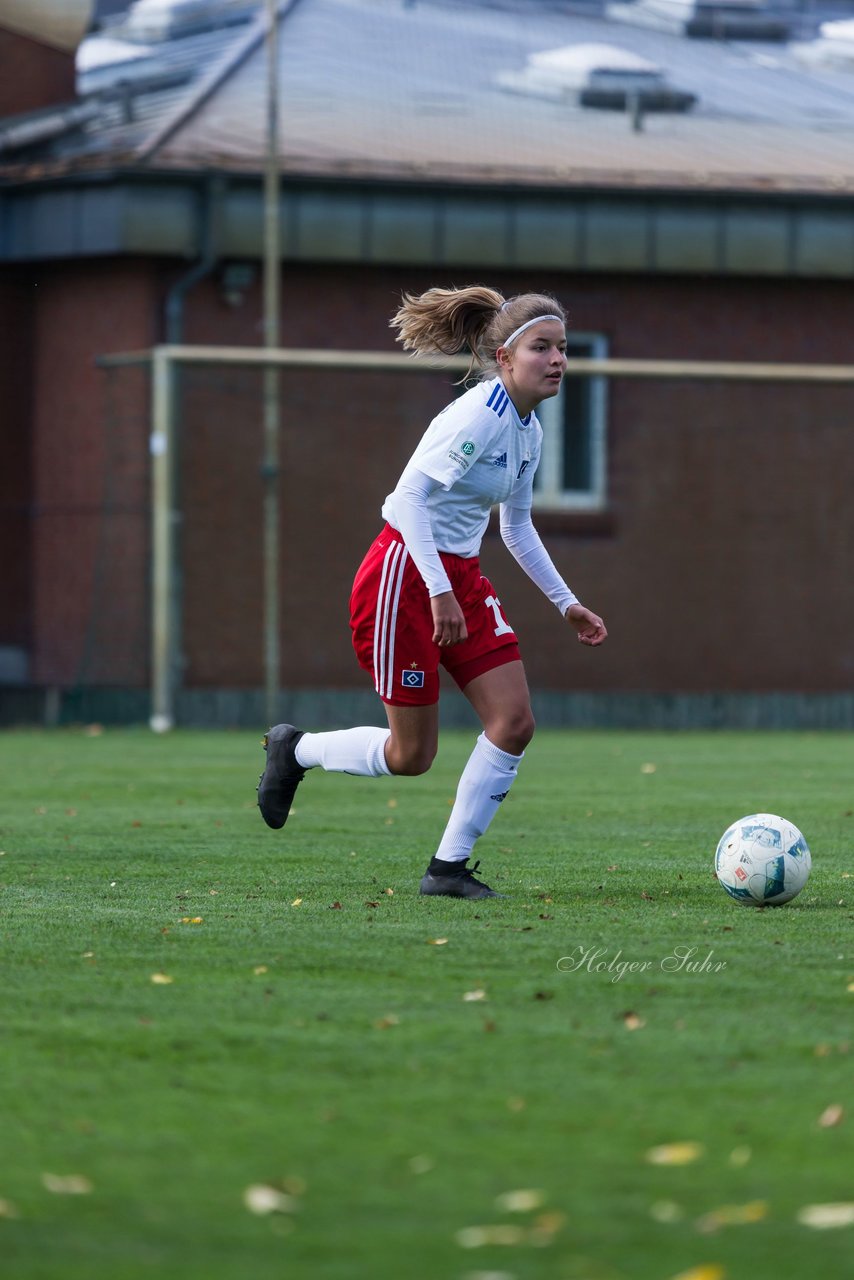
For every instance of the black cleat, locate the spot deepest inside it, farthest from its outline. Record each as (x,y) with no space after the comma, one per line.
(455,883)
(282,775)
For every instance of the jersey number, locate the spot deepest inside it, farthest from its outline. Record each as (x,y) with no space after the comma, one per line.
(501,627)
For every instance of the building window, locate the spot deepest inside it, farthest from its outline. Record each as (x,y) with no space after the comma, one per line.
(572,473)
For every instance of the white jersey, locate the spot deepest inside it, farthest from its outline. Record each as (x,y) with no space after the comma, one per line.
(481,453)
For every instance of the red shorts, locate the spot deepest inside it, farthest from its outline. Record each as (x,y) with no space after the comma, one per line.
(392,624)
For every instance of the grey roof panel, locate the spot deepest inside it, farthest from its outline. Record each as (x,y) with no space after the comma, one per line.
(615,239)
(476,231)
(403,228)
(371,89)
(824,244)
(686,239)
(374,90)
(548,222)
(757,240)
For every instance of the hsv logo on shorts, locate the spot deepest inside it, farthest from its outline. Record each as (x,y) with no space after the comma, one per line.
(412,679)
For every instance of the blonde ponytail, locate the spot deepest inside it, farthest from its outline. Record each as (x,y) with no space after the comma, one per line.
(476,318)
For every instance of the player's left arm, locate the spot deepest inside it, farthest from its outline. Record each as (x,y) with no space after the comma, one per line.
(524,543)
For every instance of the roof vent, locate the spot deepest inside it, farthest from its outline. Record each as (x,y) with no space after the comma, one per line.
(155,20)
(597,75)
(833,48)
(705,19)
(101,60)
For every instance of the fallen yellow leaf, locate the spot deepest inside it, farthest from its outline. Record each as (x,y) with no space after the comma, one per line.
(675,1153)
(437,942)
(525,1201)
(474,995)
(259,969)
(476,1237)
(822,1216)
(546,1227)
(71,1184)
(832,1116)
(707,1271)
(261,1199)
(729,1215)
(632,1022)
(161,979)
(296,902)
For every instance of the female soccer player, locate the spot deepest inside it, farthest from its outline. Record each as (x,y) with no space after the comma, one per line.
(419,598)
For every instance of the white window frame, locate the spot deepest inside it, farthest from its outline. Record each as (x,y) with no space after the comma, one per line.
(548,492)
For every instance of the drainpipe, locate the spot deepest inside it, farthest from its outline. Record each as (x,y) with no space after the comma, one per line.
(174,315)
(174,310)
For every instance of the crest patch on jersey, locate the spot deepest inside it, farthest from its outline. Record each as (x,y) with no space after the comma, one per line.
(412,679)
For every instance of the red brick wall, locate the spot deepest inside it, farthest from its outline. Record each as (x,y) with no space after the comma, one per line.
(90,469)
(33,75)
(728,560)
(15,458)
(726,567)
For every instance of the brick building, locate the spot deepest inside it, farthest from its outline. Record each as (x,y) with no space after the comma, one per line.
(709,522)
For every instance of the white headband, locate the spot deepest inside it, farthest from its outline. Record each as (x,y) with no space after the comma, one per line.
(522,327)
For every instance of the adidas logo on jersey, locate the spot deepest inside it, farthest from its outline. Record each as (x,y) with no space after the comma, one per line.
(502,795)
(500,461)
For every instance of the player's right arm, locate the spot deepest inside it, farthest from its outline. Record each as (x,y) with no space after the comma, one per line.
(450,445)
(413,521)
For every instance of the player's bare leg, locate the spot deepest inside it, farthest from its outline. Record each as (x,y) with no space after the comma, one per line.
(503,704)
(414,740)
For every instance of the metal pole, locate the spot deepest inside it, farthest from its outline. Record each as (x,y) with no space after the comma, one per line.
(270,471)
(162,543)
(394,362)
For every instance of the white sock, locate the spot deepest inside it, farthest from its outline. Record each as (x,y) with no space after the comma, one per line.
(485,781)
(360,751)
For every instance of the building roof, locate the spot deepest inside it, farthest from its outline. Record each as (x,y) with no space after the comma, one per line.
(58,23)
(385,89)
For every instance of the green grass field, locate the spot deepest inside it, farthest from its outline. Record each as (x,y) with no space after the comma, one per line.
(388,1067)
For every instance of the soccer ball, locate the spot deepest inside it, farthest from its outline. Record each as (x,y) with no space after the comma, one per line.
(762,861)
